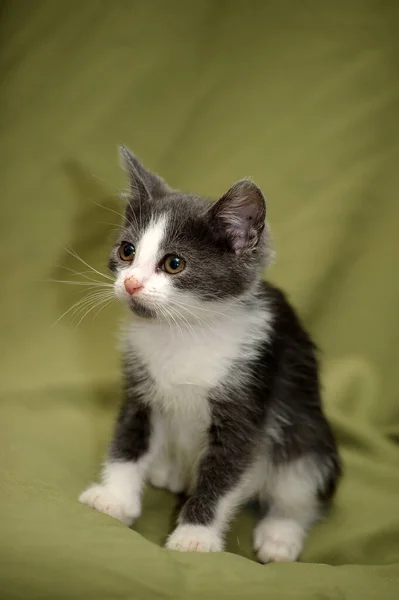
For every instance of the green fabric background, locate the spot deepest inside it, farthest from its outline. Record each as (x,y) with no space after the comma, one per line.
(303,97)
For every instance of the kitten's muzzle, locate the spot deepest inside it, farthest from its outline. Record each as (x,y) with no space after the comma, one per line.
(132,285)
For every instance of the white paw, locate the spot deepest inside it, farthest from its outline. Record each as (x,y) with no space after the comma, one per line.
(194,538)
(101,498)
(278,540)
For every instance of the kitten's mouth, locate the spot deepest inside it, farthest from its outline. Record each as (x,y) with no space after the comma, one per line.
(140,310)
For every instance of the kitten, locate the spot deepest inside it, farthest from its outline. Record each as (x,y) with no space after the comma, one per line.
(222,394)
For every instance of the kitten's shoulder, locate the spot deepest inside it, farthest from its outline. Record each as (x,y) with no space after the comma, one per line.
(274,295)
(274,299)
(286,321)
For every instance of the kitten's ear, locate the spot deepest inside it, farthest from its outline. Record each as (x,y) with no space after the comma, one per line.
(143,183)
(239,215)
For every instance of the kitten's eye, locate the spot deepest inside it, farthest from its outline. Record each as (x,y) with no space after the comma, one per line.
(127,251)
(173,264)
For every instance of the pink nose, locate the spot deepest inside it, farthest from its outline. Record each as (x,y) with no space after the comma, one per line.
(132,285)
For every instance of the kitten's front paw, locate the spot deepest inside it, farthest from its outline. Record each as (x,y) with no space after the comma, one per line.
(278,540)
(101,498)
(194,538)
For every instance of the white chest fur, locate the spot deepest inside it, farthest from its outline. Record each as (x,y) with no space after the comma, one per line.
(186,363)
(198,356)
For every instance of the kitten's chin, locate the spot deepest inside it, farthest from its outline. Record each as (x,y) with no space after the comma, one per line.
(140,310)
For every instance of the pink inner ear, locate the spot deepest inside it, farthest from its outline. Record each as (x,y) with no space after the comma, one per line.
(249,212)
(241,224)
(241,213)
(240,235)
(240,240)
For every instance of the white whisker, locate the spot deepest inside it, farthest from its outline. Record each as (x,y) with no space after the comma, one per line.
(82,273)
(109,209)
(208,310)
(87,302)
(198,324)
(124,216)
(168,312)
(101,301)
(72,252)
(84,283)
(165,316)
(186,322)
(115,225)
(107,183)
(104,306)
(196,317)
(77,304)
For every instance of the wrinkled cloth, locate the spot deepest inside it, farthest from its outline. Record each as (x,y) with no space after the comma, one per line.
(302,97)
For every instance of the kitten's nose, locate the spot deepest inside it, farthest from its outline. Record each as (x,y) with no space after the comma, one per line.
(132,285)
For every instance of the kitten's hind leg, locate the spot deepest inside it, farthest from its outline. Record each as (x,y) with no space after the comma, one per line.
(167,470)
(167,473)
(292,497)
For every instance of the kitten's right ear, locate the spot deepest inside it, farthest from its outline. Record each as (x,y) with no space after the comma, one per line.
(143,184)
(239,216)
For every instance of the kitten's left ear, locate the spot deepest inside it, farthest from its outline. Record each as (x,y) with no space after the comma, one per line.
(141,179)
(239,215)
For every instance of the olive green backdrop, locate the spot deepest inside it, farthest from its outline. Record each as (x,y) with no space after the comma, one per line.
(303,97)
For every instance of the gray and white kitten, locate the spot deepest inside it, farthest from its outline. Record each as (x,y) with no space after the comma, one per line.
(222,395)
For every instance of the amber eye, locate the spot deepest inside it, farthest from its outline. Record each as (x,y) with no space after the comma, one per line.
(173,264)
(127,251)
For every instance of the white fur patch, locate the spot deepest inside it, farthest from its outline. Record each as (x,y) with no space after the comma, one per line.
(197,355)
(185,363)
(102,499)
(148,247)
(182,436)
(291,494)
(167,473)
(278,540)
(119,493)
(195,538)
(155,282)
(247,488)
(292,491)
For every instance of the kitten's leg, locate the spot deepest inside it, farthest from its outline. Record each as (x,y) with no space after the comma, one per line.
(201,528)
(293,499)
(172,466)
(221,484)
(167,473)
(131,451)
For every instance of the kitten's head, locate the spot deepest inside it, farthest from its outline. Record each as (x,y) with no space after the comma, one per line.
(178,254)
